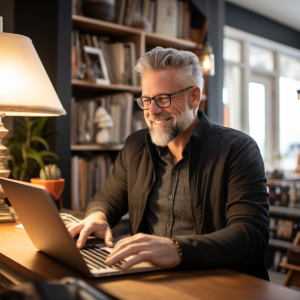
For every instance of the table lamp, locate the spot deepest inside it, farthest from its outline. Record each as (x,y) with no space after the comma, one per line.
(25,90)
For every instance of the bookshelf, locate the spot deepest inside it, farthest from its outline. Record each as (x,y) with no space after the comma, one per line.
(83,90)
(121,31)
(78,84)
(284,210)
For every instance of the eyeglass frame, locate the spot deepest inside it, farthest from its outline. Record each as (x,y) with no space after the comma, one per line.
(169,95)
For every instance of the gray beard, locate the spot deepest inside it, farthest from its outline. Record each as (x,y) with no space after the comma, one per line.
(163,136)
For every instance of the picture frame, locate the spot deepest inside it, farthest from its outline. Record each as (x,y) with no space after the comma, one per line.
(96,66)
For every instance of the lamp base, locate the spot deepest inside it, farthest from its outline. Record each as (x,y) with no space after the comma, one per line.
(5,214)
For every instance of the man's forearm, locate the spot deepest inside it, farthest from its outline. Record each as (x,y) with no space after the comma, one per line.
(237,246)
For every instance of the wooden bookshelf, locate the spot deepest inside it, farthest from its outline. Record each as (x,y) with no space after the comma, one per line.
(85,89)
(83,84)
(120,31)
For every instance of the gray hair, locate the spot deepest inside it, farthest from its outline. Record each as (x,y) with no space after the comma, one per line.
(161,59)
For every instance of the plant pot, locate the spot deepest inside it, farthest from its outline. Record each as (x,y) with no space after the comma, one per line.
(54,187)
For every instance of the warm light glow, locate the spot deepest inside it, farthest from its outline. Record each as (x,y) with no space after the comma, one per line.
(25,88)
(206,62)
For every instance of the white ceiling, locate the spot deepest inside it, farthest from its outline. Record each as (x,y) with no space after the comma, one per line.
(286,12)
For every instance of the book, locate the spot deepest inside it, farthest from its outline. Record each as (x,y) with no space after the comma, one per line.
(131,61)
(121,11)
(73,134)
(166,17)
(89,173)
(75,204)
(118,57)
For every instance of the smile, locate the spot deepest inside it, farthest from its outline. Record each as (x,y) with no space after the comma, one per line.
(161,121)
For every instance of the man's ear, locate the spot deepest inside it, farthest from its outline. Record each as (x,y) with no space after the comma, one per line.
(196,97)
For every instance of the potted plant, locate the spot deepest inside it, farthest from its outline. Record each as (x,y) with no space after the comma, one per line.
(50,178)
(28,150)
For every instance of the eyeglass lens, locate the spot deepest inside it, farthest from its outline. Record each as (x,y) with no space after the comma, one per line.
(161,101)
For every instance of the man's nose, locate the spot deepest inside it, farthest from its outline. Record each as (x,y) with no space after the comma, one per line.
(154,109)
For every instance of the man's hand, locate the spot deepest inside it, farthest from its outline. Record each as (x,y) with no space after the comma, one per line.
(95,223)
(159,251)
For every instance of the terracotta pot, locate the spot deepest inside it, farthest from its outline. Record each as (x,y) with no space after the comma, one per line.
(54,187)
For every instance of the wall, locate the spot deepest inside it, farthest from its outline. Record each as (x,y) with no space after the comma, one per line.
(254,23)
(48,24)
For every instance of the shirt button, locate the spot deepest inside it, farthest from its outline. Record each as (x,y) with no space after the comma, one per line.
(170,197)
(168,225)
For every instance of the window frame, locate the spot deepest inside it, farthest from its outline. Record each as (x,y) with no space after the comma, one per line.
(247,39)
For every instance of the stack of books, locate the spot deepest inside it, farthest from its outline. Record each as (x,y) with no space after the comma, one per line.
(88,175)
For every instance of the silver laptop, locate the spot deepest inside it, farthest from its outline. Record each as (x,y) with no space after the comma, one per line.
(44,226)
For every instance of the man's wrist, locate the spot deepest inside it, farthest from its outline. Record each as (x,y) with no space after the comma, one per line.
(179,250)
(101,214)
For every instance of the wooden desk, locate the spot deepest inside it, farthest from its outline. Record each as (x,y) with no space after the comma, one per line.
(21,262)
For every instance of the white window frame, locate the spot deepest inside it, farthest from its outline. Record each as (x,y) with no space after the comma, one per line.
(278,49)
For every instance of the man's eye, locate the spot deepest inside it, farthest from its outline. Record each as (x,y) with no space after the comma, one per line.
(146,100)
(164,98)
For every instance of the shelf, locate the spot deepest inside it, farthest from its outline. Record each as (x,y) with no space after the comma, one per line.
(284,210)
(117,30)
(82,84)
(155,39)
(97,26)
(279,243)
(96,147)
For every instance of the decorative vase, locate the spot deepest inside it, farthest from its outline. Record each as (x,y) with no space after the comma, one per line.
(99,9)
(54,187)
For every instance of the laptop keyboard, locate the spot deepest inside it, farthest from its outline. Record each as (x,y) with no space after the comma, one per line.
(95,258)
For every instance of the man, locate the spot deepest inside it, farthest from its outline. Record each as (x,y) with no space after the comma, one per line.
(195,191)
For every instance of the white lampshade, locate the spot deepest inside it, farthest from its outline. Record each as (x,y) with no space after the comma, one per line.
(25,88)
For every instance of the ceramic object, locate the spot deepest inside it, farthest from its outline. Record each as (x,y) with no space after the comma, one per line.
(54,187)
(99,9)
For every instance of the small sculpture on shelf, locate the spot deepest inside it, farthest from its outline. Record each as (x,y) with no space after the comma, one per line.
(105,122)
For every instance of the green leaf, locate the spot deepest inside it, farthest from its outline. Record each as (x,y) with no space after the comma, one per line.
(22,133)
(33,154)
(21,121)
(23,173)
(50,132)
(15,171)
(40,140)
(24,154)
(40,126)
(49,153)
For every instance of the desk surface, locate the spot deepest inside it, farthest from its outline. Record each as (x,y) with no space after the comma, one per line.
(20,262)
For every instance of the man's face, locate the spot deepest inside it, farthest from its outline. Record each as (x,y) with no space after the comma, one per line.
(166,123)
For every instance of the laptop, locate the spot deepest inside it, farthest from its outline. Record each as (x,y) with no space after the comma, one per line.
(44,226)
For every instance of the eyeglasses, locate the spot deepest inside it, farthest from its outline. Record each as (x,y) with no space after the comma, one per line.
(162,101)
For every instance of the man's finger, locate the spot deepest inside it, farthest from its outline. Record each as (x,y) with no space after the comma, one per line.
(75,229)
(143,256)
(87,230)
(108,239)
(131,240)
(83,236)
(121,254)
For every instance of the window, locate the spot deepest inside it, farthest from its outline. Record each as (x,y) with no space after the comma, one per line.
(261,58)
(261,79)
